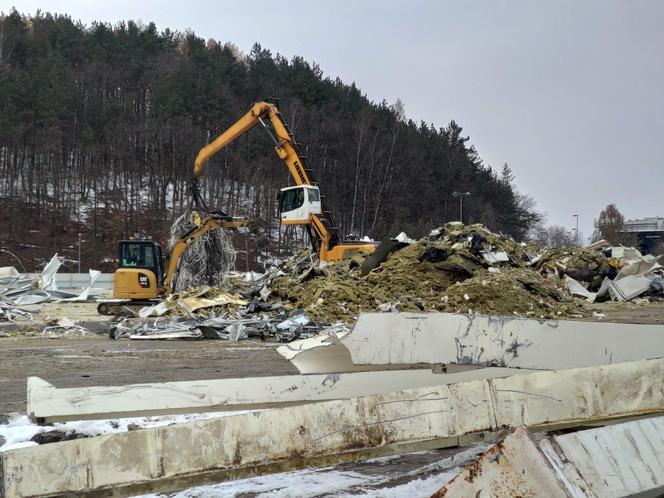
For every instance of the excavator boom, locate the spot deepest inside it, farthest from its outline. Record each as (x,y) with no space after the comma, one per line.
(284,142)
(330,246)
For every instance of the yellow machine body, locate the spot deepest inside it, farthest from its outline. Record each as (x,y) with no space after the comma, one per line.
(134,283)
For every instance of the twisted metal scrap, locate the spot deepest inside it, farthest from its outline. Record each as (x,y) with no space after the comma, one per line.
(207,261)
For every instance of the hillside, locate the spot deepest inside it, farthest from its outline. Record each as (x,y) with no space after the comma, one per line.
(100,124)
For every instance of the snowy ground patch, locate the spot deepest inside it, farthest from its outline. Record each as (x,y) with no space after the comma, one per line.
(19,430)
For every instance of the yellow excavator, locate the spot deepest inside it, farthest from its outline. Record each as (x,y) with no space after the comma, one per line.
(301,204)
(140,276)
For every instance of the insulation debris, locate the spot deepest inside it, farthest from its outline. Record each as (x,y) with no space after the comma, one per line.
(431,274)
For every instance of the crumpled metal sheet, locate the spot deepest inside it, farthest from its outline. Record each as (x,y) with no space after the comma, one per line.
(65,328)
(11,313)
(17,289)
(232,327)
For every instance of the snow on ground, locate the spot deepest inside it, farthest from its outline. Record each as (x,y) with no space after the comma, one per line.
(19,430)
(340,481)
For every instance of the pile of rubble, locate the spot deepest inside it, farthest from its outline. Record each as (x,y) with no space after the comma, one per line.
(456,268)
(210,313)
(18,290)
(607,273)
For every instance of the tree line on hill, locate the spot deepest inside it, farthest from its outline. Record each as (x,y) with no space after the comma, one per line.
(100,125)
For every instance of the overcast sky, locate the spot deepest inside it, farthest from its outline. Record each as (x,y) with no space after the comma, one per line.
(569,93)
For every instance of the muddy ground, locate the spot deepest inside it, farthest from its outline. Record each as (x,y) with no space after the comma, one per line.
(96,360)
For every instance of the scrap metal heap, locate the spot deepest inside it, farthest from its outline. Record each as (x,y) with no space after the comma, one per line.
(208,259)
(456,268)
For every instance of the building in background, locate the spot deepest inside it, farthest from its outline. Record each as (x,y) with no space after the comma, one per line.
(650,233)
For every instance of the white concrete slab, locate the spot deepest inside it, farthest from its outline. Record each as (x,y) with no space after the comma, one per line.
(407,338)
(46,403)
(331,431)
(615,461)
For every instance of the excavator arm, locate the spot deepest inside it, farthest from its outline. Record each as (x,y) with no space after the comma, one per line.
(287,150)
(284,143)
(207,224)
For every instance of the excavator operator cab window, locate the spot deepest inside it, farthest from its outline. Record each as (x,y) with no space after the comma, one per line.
(292,199)
(314,195)
(141,254)
(299,203)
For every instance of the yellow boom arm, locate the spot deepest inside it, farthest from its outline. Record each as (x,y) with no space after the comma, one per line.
(285,148)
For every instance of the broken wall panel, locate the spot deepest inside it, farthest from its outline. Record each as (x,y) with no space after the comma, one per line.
(325,353)
(331,431)
(617,460)
(406,338)
(512,467)
(47,403)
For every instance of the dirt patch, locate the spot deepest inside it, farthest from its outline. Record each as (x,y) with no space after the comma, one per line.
(98,361)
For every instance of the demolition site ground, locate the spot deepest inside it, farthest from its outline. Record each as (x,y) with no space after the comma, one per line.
(95,360)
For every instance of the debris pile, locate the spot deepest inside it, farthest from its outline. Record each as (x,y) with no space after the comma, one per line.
(519,292)
(18,289)
(456,268)
(207,313)
(612,273)
(581,264)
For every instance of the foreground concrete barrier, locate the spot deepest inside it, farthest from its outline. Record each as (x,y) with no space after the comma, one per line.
(177,456)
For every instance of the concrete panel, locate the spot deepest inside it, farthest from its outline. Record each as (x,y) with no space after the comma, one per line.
(46,403)
(513,467)
(406,338)
(619,460)
(331,431)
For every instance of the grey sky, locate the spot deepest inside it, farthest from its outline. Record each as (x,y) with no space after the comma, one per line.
(569,93)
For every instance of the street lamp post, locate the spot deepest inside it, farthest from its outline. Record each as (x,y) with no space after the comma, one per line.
(460,195)
(577,228)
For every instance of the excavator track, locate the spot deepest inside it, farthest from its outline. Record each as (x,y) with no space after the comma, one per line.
(115,308)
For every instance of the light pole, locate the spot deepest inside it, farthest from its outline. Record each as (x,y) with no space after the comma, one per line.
(78,216)
(460,195)
(577,228)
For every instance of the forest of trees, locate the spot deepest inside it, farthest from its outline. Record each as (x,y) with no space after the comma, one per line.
(100,124)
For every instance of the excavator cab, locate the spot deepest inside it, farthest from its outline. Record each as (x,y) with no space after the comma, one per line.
(140,271)
(298,203)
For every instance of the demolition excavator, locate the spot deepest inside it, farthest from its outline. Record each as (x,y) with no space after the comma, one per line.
(140,277)
(301,204)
